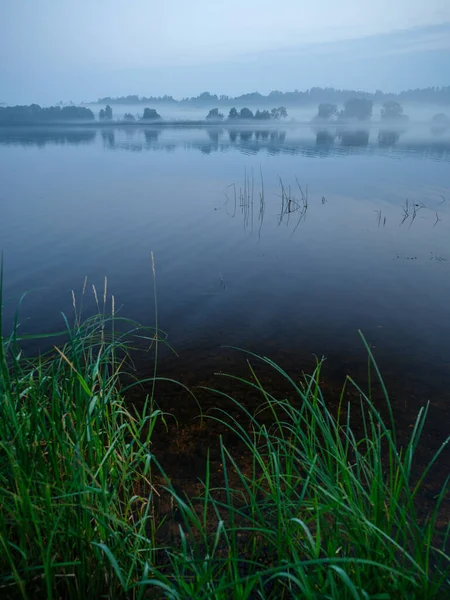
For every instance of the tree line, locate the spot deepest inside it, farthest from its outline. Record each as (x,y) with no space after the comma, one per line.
(25,115)
(316,95)
(246,114)
(34,114)
(360,109)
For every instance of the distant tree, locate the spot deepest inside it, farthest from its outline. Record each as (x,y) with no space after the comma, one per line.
(440,123)
(70,113)
(214,115)
(262,115)
(106,114)
(245,113)
(279,113)
(150,114)
(233,114)
(357,108)
(326,110)
(205,97)
(441,119)
(392,110)
(128,117)
(33,114)
(315,95)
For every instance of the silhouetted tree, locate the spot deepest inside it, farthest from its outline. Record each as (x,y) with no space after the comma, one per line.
(106,113)
(326,110)
(150,114)
(439,123)
(315,95)
(392,110)
(29,115)
(245,113)
(279,113)
(441,118)
(262,115)
(233,114)
(205,98)
(214,115)
(357,108)
(128,117)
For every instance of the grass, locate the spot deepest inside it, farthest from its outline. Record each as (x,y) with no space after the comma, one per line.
(324,506)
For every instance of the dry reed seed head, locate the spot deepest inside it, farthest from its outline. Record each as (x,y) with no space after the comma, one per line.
(105,288)
(153,263)
(95,295)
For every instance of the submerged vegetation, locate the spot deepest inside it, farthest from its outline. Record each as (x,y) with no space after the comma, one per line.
(316,499)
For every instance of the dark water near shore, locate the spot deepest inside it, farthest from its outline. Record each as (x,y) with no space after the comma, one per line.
(368,249)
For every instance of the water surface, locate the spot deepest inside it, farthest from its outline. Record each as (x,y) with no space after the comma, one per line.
(362,244)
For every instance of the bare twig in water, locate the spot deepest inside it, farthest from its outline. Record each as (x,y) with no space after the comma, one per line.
(443,199)
(262,205)
(405,211)
(437,220)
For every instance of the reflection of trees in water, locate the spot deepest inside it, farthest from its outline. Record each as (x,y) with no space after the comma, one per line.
(271,141)
(388,138)
(325,139)
(42,138)
(109,138)
(214,135)
(151,135)
(278,136)
(246,136)
(356,138)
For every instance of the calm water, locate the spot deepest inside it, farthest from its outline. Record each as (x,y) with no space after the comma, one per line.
(369,250)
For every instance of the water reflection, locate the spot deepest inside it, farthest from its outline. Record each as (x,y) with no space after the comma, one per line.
(354,138)
(41,137)
(151,136)
(109,139)
(309,142)
(388,138)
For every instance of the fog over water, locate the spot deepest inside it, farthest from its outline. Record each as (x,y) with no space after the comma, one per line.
(282,234)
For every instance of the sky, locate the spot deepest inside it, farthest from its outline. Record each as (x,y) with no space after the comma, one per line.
(80,50)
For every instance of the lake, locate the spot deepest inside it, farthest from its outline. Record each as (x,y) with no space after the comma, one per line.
(284,242)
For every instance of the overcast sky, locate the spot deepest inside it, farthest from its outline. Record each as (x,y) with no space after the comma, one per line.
(82,49)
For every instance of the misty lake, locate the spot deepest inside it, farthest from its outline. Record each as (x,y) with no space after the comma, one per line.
(284,242)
